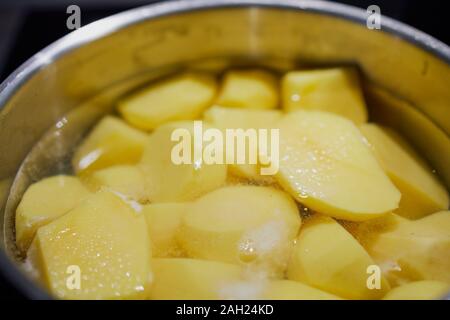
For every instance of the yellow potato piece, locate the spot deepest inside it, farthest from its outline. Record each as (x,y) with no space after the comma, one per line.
(182,97)
(325,165)
(43,202)
(334,90)
(126,180)
(420,290)
(232,118)
(103,243)
(164,220)
(255,89)
(242,224)
(170,182)
(327,257)
(190,279)
(422,194)
(294,290)
(409,250)
(111,142)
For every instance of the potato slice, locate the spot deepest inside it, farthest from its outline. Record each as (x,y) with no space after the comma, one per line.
(170,182)
(231,118)
(325,165)
(126,180)
(43,202)
(190,279)
(103,242)
(409,250)
(419,290)
(327,257)
(111,142)
(242,224)
(422,194)
(182,97)
(164,220)
(255,89)
(334,90)
(294,290)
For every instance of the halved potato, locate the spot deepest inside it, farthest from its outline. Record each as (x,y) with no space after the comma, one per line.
(327,257)
(45,201)
(182,97)
(190,279)
(294,290)
(167,181)
(409,250)
(123,179)
(422,193)
(111,142)
(164,220)
(255,89)
(234,118)
(419,290)
(334,90)
(242,224)
(325,165)
(98,250)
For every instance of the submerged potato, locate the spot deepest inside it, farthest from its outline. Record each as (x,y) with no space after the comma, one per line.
(419,290)
(294,290)
(182,97)
(126,180)
(254,89)
(242,224)
(409,250)
(233,118)
(325,165)
(43,202)
(422,194)
(334,90)
(104,242)
(167,181)
(163,221)
(190,279)
(111,142)
(327,257)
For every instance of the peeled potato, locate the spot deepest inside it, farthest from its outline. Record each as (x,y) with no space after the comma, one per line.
(233,118)
(334,90)
(164,220)
(327,257)
(255,89)
(409,250)
(182,97)
(124,179)
(170,182)
(111,142)
(420,290)
(422,194)
(325,165)
(294,290)
(105,242)
(230,118)
(190,279)
(242,224)
(43,202)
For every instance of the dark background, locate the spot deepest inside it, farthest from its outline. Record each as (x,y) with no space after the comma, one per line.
(26,26)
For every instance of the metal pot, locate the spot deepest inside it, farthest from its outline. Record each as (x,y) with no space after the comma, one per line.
(52,99)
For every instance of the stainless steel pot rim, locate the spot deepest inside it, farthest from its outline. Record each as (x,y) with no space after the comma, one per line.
(109,25)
